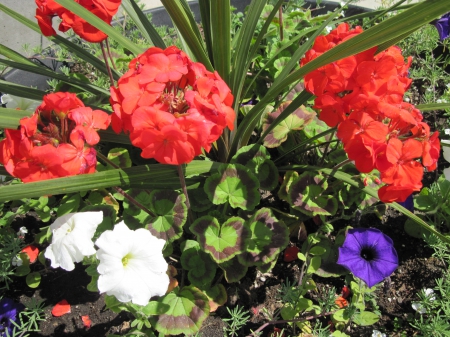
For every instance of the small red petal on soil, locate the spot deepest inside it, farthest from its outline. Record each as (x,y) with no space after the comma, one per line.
(61,308)
(277,333)
(290,254)
(345,292)
(32,252)
(341,302)
(86,321)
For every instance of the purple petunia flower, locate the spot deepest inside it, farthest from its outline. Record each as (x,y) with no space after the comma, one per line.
(368,254)
(443,26)
(408,203)
(9,310)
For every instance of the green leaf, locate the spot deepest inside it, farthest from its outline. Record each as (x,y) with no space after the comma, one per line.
(235,184)
(141,21)
(221,242)
(290,311)
(155,308)
(171,214)
(314,264)
(21,90)
(201,269)
(134,216)
(33,279)
(221,37)
(109,217)
(365,318)
(120,157)
(9,118)
(256,158)
(22,270)
(233,270)
(69,204)
(268,237)
(187,311)
(217,296)
(306,194)
(295,121)
(317,250)
(92,286)
(113,304)
(341,316)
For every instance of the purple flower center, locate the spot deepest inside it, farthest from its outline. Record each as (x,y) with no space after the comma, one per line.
(368,254)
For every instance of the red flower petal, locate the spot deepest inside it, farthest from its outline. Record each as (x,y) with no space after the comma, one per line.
(32,252)
(290,254)
(86,321)
(61,308)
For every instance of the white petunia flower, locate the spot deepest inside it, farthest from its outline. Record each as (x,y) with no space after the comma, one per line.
(16,261)
(446,149)
(132,266)
(72,238)
(376,333)
(447,131)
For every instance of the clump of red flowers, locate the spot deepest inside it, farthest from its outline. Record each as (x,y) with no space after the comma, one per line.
(48,9)
(171,106)
(56,141)
(363,96)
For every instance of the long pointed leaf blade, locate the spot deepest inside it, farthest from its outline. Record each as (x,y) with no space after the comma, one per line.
(141,21)
(99,24)
(34,68)
(221,37)
(9,118)
(21,91)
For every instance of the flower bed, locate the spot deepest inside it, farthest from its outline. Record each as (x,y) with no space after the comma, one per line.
(243,174)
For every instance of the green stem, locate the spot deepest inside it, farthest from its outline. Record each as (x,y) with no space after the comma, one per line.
(184,188)
(108,68)
(110,55)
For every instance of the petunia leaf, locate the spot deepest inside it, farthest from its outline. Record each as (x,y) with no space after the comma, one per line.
(187,310)
(33,279)
(294,122)
(201,269)
(233,270)
(268,237)
(171,214)
(306,194)
(233,183)
(257,159)
(69,204)
(221,242)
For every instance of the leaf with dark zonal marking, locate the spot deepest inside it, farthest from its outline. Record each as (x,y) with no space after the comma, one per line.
(188,309)
(221,242)
(133,216)
(233,183)
(306,195)
(120,157)
(233,270)
(217,296)
(294,122)
(171,214)
(268,237)
(257,159)
(199,200)
(201,268)
(289,177)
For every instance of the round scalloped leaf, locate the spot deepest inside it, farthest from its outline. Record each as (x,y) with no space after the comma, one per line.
(233,270)
(201,269)
(217,296)
(295,121)
(134,216)
(187,310)
(306,195)
(288,178)
(171,214)
(199,200)
(233,183)
(256,158)
(268,237)
(221,242)
(120,157)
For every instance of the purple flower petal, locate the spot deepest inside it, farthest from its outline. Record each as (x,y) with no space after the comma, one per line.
(9,310)
(369,255)
(443,26)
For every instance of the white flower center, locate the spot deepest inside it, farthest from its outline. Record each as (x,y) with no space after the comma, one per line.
(126,259)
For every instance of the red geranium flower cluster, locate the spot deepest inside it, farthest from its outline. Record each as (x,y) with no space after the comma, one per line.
(170,106)
(363,96)
(104,9)
(57,141)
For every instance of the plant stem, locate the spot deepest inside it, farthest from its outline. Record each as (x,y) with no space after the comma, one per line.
(108,68)
(183,186)
(110,55)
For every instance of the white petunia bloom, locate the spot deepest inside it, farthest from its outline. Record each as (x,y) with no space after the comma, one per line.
(376,333)
(72,238)
(132,266)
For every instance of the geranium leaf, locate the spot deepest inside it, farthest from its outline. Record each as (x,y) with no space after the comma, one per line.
(289,177)
(187,311)
(235,184)
(268,237)
(257,159)
(306,195)
(294,122)
(171,214)
(217,296)
(201,269)
(134,216)
(199,200)
(69,204)
(233,270)
(120,157)
(221,242)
